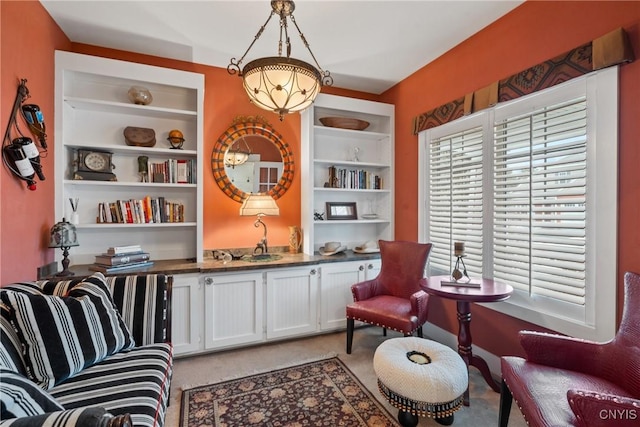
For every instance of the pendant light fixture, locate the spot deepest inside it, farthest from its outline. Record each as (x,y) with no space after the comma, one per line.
(236,155)
(280,83)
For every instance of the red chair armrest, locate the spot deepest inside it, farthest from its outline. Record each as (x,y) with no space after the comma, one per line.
(419,304)
(562,352)
(593,409)
(364,290)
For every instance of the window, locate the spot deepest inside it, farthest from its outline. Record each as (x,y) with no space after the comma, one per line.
(530,187)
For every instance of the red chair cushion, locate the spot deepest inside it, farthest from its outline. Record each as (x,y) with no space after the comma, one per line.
(385,310)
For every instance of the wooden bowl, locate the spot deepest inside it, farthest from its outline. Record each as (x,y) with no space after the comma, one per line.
(344,123)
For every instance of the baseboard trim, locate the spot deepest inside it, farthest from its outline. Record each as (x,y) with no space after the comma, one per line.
(445,337)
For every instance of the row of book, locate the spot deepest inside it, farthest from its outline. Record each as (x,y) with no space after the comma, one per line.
(140,211)
(354,179)
(121,258)
(174,171)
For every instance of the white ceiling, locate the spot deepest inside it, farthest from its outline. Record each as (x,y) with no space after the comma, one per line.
(367,45)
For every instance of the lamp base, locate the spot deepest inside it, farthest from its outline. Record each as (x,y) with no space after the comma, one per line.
(65,264)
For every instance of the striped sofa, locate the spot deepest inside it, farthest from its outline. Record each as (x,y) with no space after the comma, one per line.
(84,352)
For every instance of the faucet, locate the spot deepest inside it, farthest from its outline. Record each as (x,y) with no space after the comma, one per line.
(261,247)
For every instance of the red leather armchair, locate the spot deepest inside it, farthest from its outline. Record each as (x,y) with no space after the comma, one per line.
(395,299)
(566,381)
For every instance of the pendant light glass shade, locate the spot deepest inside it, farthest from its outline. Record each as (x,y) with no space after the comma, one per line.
(280,83)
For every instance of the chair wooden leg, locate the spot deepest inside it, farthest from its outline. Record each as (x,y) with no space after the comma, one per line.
(506,398)
(350,326)
(384,332)
(420,332)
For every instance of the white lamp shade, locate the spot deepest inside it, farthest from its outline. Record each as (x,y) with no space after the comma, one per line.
(259,204)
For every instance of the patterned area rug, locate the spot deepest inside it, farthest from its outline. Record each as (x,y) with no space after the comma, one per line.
(322,393)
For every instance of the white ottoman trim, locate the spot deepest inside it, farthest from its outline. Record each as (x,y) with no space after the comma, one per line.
(431,389)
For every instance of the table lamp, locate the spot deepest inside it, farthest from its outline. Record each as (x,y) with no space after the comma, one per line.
(63,235)
(260,205)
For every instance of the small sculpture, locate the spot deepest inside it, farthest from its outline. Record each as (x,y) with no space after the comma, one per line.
(143,168)
(176,139)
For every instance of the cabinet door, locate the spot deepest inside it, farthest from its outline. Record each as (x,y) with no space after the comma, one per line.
(335,292)
(292,302)
(186,314)
(372,268)
(233,306)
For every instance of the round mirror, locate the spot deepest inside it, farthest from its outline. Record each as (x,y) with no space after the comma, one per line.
(252,157)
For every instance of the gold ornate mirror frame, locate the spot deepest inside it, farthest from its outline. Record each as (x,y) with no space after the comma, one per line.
(243,126)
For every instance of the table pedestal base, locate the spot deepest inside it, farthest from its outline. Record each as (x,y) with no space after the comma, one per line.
(465,351)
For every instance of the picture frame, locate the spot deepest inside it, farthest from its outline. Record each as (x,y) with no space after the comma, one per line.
(341,210)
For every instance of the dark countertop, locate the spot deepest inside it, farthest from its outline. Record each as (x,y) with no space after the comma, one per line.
(183,266)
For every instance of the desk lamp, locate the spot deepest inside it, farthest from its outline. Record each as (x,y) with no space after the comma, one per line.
(260,205)
(63,235)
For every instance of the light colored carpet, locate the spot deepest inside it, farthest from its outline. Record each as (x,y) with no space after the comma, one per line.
(213,367)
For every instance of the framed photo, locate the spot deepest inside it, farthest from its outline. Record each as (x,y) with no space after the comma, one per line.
(341,210)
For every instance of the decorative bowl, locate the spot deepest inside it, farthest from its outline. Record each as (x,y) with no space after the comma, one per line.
(344,123)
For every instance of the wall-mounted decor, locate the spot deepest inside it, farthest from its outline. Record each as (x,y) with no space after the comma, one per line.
(269,167)
(341,210)
(21,155)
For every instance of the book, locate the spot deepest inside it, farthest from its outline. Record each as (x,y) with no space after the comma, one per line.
(123,267)
(460,284)
(123,250)
(112,260)
(181,172)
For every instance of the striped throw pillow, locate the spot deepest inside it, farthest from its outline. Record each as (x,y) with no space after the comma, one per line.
(22,398)
(63,335)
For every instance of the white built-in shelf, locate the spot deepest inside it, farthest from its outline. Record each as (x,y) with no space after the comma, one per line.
(369,151)
(92,109)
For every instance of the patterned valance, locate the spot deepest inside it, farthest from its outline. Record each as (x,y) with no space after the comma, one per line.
(610,49)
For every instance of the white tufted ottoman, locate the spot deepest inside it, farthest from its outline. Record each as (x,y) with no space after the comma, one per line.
(420,377)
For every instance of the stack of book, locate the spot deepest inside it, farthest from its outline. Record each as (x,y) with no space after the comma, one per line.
(119,258)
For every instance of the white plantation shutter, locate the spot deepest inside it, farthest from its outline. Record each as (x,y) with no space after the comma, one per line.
(539,181)
(455,198)
(539,211)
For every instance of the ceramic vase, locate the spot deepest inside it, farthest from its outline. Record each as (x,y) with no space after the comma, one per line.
(295,239)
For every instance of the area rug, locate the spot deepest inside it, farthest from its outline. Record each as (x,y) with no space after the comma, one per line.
(321,393)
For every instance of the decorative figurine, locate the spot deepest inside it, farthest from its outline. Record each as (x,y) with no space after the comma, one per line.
(143,168)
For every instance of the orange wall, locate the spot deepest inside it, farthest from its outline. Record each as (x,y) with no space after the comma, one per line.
(531,33)
(29,36)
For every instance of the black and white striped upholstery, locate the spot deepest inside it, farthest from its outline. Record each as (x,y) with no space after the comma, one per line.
(141,300)
(64,335)
(20,397)
(11,348)
(82,417)
(134,381)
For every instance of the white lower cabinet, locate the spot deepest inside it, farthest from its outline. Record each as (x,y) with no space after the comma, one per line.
(335,289)
(233,313)
(292,301)
(186,313)
(213,311)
